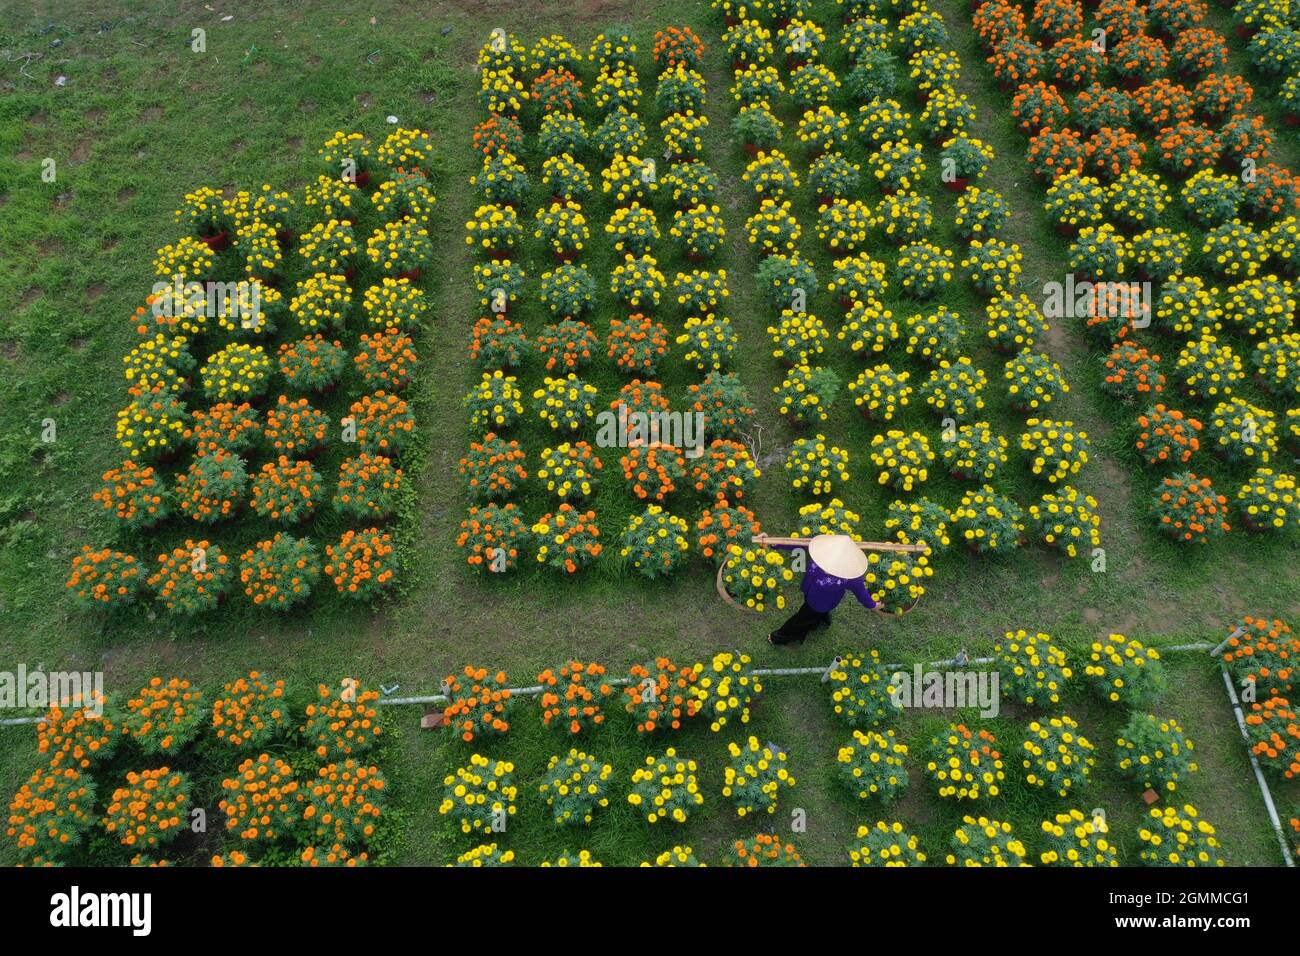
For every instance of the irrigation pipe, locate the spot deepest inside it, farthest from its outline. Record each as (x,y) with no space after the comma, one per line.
(1254,764)
(536,689)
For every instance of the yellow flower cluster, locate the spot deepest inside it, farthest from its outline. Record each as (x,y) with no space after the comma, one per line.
(903,458)
(797,336)
(880,392)
(726,687)
(321,301)
(481,794)
(666,788)
(814,465)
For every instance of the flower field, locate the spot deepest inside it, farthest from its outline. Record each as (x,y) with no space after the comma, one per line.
(1155,144)
(834,250)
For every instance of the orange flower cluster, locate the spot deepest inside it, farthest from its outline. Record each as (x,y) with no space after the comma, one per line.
(567,345)
(50,811)
(496,134)
(1186,147)
(344,803)
(1163,103)
(1167,435)
(361,564)
(491,532)
(1111,152)
(72,735)
(1132,372)
(295,426)
(212,487)
(164,715)
(1264,653)
(764,849)
(192,577)
(675,46)
(336,855)
(261,800)
(637,344)
(233,858)
(279,572)
(721,525)
(724,470)
(383,421)
(134,495)
(286,490)
(367,486)
(250,711)
(477,705)
(661,695)
(1189,509)
(1037,105)
(150,810)
(499,341)
(103,578)
(223,427)
(1052,152)
(1223,94)
(1274,730)
(653,471)
(313,362)
(338,726)
(493,467)
(386,360)
(579,690)
(639,396)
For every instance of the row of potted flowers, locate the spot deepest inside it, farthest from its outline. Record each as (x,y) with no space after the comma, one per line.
(322,810)
(213,350)
(1101,195)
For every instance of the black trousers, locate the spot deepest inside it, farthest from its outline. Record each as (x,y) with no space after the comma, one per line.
(800,625)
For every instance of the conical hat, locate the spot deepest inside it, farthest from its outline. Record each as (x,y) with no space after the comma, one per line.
(837,554)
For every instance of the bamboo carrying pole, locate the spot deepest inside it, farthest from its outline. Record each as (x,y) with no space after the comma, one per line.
(864,545)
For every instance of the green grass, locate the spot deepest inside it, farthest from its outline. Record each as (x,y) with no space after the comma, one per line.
(141,120)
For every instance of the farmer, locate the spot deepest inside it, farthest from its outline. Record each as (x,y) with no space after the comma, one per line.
(835,564)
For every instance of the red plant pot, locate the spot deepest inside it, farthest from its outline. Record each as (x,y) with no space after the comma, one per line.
(217,242)
(360,180)
(1290,119)
(695,258)
(1244,31)
(285,238)
(1068,230)
(822,200)
(411,274)
(350,273)
(751,150)
(957,185)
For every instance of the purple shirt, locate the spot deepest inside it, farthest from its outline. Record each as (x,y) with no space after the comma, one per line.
(823,591)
